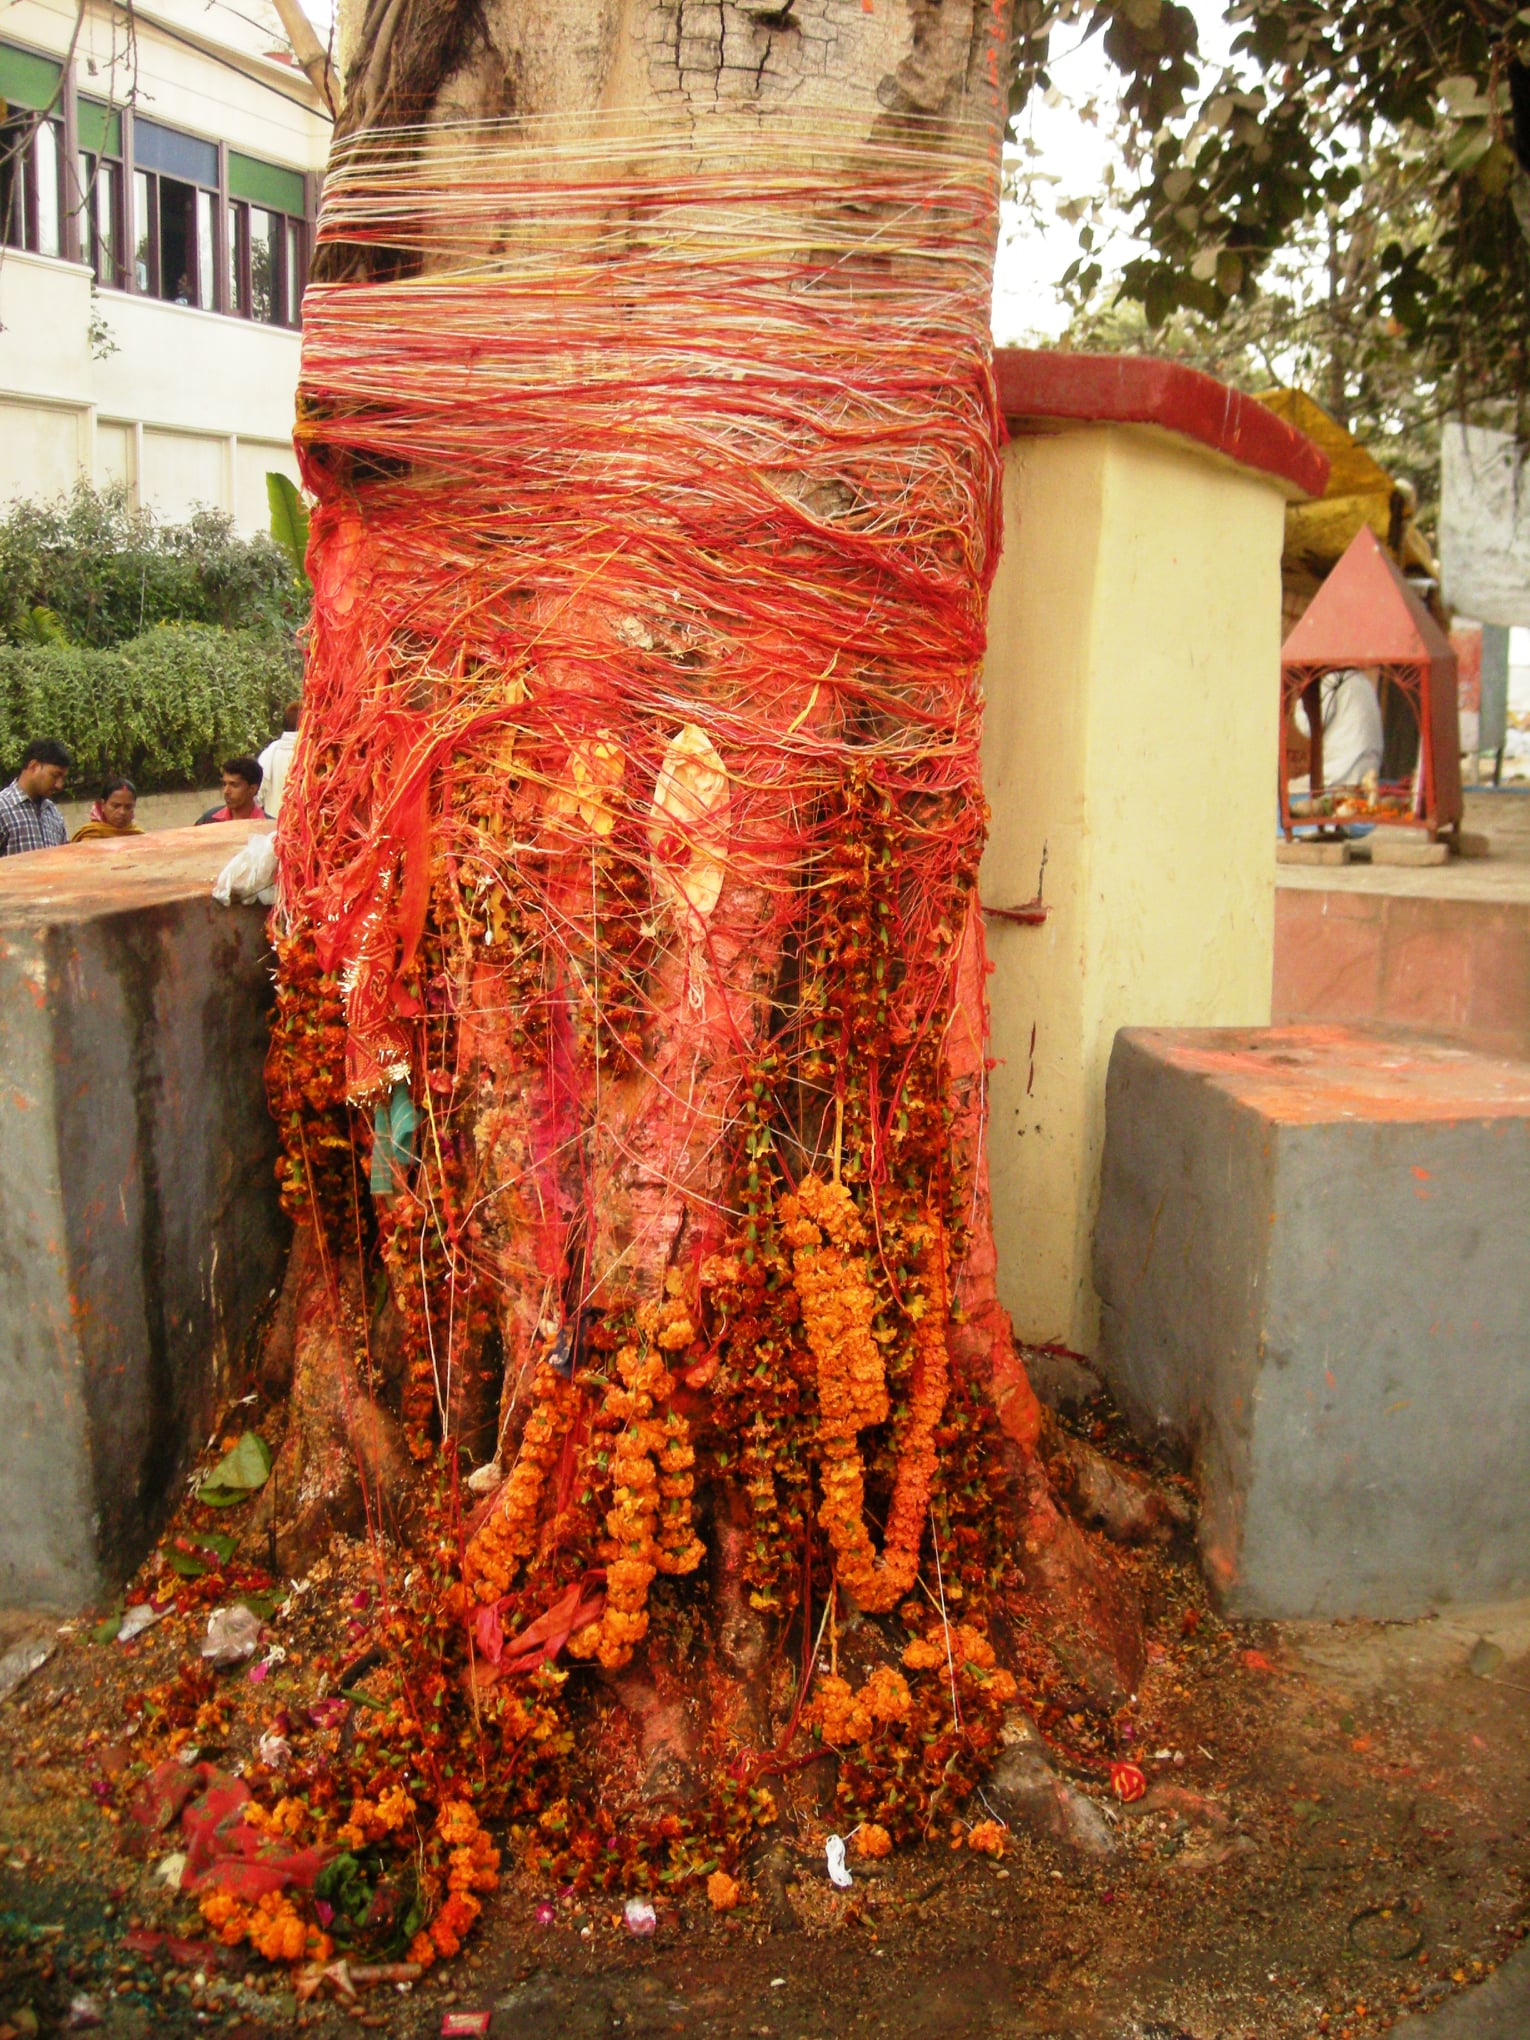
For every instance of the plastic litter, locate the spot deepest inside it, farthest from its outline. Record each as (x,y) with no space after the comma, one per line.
(83,2011)
(457,2023)
(232,1634)
(21,1662)
(249,877)
(484,1479)
(139,1618)
(168,1871)
(274,1751)
(834,1853)
(1483,1661)
(640,1916)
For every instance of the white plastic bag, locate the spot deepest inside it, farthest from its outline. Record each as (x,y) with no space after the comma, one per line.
(834,1855)
(250,874)
(232,1634)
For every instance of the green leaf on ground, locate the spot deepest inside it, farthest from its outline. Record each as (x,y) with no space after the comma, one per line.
(238,1474)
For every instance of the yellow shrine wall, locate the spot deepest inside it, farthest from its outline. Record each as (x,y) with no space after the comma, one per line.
(1131,735)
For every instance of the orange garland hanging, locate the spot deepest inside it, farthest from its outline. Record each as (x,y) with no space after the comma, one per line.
(826,1235)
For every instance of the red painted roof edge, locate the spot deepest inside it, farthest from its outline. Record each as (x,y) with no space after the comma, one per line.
(1135,389)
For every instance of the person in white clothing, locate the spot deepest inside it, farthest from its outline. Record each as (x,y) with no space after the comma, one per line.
(1352,732)
(276,758)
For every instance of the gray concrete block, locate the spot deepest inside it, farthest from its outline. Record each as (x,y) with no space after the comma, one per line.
(139,1227)
(1313,1255)
(1310,850)
(1406,846)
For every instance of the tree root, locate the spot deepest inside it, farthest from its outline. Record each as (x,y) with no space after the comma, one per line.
(342,1466)
(1088,1615)
(1128,1506)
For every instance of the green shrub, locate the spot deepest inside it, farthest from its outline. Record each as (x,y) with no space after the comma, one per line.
(166,708)
(103,572)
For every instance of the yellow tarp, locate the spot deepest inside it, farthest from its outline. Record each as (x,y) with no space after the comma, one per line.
(1359,492)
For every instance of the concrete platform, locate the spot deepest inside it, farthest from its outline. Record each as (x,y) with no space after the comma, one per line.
(139,1228)
(1496,2010)
(1313,1256)
(1443,950)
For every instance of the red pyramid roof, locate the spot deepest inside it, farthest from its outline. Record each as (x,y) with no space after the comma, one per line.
(1365,614)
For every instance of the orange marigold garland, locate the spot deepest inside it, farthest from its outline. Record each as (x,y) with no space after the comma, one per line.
(826,1234)
(271,1924)
(508,1535)
(648,1526)
(472,1870)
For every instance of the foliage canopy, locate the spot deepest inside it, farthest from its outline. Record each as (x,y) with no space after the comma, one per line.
(90,569)
(1232,164)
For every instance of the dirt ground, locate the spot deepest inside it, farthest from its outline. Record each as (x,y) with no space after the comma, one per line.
(1335,1834)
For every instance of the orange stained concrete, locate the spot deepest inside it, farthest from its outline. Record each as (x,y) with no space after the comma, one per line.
(1321,1075)
(84,880)
(1444,949)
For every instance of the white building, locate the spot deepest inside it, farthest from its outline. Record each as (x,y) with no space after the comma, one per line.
(157,192)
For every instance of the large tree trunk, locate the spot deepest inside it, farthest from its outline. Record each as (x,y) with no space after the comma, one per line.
(648,409)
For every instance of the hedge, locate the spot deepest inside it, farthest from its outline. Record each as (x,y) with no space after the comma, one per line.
(103,572)
(165,708)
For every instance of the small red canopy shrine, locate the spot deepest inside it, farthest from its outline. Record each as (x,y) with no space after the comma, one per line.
(1366,615)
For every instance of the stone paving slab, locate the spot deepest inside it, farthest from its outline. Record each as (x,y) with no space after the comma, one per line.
(1496,2010)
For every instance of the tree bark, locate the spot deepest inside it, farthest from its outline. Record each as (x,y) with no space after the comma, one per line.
(496,720)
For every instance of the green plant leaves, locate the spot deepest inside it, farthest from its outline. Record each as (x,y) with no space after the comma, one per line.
(289,522)
(40,625)
(1467,146)
(109,571)
(238,1474)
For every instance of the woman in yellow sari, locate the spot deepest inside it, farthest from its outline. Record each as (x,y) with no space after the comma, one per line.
(112,814)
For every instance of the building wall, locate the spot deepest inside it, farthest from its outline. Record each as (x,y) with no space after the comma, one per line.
(1132,682)
(187,408)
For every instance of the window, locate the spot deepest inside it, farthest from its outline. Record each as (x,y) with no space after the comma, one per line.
(143,235)
(268,254)
(206,251)
(296,274)
(149,208)
(175,185)
(31,151)
(102,227)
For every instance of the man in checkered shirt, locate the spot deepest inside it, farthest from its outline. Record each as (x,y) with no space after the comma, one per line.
(28,818)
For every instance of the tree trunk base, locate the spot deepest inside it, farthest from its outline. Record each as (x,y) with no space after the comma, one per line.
(342,1468)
